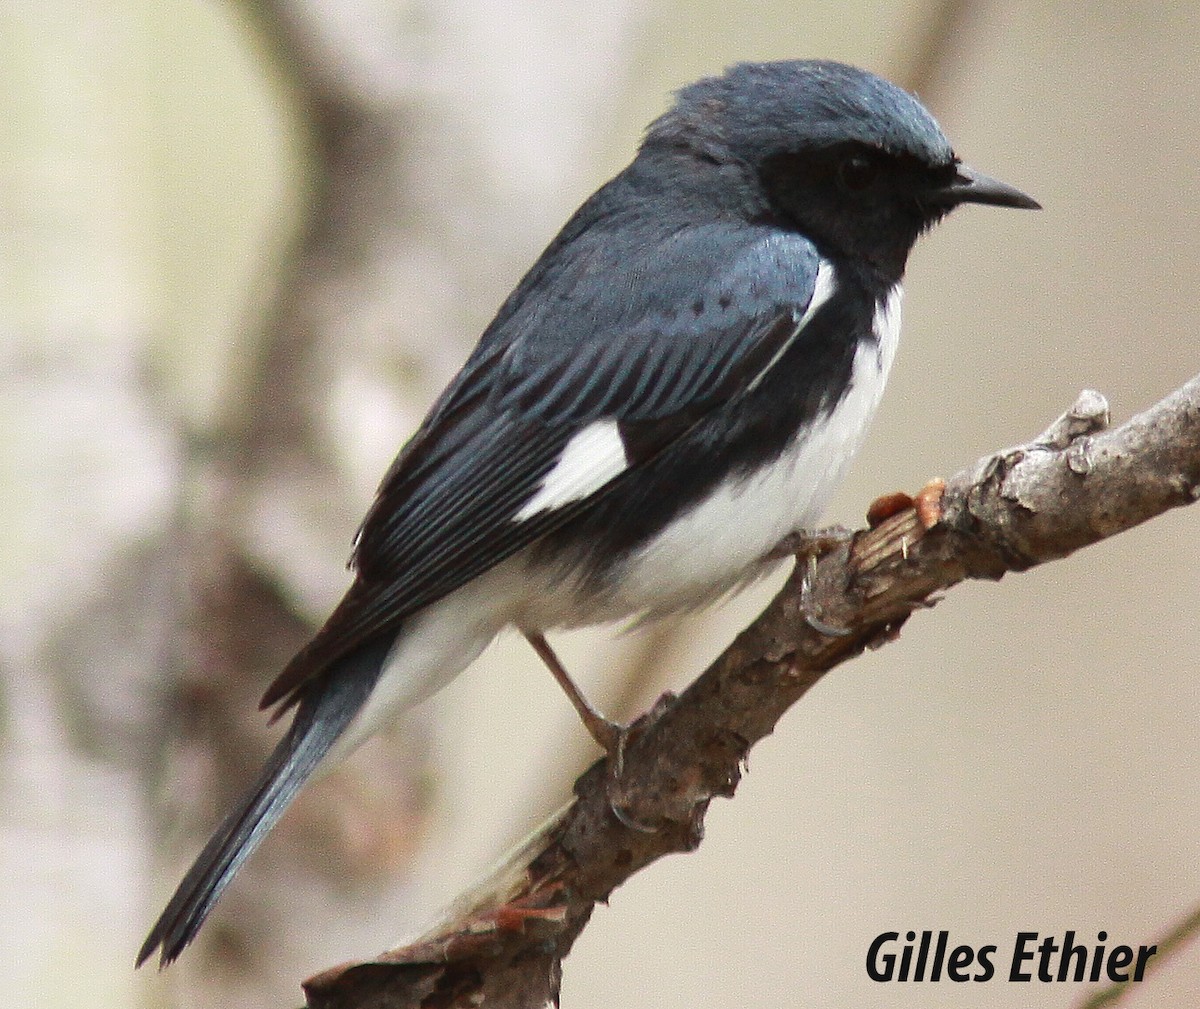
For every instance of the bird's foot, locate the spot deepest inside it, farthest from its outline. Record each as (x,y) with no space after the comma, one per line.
(809,547)
(612,736)
(608,734)
(808,608)
(614,786)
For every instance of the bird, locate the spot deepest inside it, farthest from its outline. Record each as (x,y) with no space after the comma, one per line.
(676,385)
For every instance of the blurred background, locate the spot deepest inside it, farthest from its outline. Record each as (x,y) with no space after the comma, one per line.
(245,245)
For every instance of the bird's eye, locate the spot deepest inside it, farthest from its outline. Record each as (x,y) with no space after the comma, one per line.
(857,172)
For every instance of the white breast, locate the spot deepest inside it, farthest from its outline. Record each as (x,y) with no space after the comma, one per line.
(720,542)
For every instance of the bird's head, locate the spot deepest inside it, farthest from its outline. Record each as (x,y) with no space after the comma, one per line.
(853,162)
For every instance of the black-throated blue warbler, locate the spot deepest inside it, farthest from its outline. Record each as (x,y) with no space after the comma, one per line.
(676,385)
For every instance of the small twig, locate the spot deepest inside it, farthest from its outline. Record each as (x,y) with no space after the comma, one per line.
(1183,933)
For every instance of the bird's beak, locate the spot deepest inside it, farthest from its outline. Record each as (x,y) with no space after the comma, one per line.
(970,186)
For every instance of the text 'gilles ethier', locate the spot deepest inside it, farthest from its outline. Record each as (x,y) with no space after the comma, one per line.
(927,956)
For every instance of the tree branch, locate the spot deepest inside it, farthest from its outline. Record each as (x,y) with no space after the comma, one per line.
(1076,484)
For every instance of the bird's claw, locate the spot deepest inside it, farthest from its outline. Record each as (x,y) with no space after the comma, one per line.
(616,739)
(806,604)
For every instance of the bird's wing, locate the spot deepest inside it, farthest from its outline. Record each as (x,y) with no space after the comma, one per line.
(593,366)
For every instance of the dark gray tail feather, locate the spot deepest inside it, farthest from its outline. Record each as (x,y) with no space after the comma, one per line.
(322,715)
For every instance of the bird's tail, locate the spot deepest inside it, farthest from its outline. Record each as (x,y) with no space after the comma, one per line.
(322,715)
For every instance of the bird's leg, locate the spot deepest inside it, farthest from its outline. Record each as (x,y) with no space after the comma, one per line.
(610,735)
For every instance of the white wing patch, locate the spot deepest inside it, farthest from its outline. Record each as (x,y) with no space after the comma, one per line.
(594,456)
(823,287)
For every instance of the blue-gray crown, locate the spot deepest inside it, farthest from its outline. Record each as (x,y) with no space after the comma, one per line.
(756,109)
